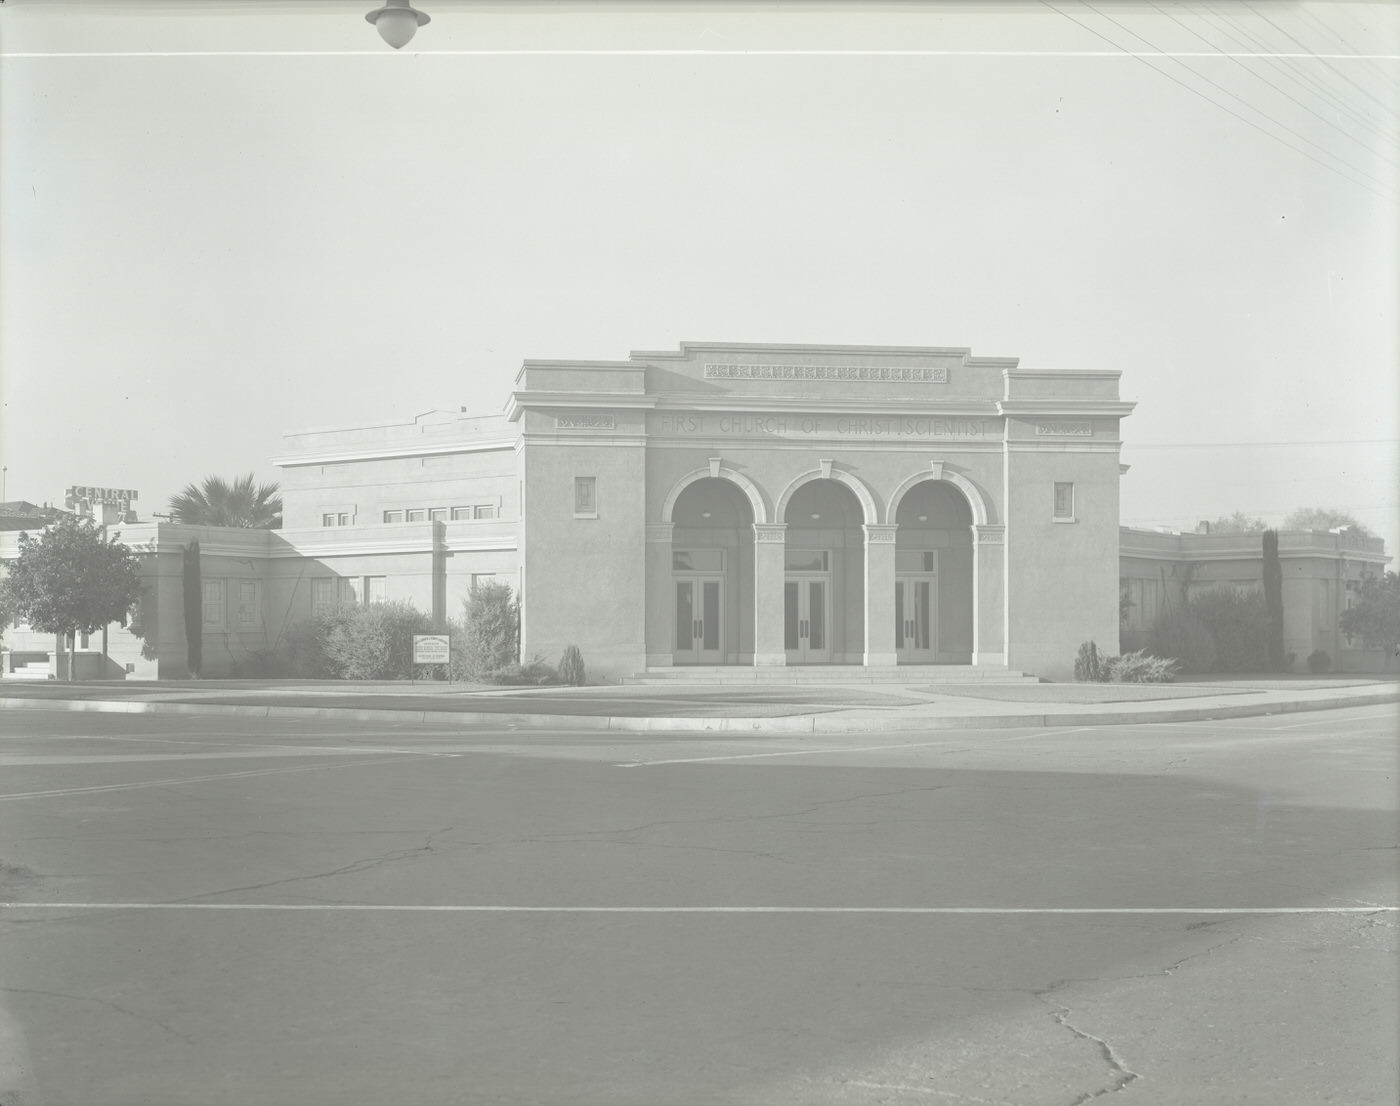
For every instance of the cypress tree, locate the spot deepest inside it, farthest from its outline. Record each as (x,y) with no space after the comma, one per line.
(1273,599)
(194,610)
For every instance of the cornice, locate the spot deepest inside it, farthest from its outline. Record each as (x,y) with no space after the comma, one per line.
(688,348)
(523,399)
(1060,408)
(844,404)
(1062,445)
(387,453)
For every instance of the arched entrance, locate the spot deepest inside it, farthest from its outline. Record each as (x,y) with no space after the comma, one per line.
(934,595)
(711,589)
(823,574)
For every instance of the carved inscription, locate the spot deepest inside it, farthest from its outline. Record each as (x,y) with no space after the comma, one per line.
(585,422)
(1065,429)
(876,374)
(880,427)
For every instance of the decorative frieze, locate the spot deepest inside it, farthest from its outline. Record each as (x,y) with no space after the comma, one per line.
(989,534)
(880,534)
(1060,429)
(873,374)
(769,533)
(585,422)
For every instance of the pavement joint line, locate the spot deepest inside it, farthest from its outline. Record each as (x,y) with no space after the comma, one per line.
(460,908)
(836,749)
(59,793)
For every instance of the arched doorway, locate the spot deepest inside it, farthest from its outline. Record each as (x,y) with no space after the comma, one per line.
(934,595)
(712,574)
(823,575)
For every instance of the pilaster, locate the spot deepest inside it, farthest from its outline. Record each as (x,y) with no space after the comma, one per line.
(879,595)
(989,595)
(769,549)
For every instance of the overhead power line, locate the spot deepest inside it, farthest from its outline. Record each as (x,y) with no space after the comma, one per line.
(1259,445)
(1224,107)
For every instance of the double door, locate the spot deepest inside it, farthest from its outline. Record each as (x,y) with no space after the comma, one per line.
(914,613)
(807,619)
(699,614)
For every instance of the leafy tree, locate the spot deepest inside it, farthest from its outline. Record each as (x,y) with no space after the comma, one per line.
(1238,523)
(1322,518)
(1376,617)
(70,580)
(216,502)
(491,637)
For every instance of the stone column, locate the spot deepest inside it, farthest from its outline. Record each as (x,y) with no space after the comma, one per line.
(660,600)
(769,575)
(989,595)
(879,595)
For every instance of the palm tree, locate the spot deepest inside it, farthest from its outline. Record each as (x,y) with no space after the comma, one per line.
(216,502)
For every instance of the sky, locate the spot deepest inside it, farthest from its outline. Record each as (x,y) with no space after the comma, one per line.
(224,221)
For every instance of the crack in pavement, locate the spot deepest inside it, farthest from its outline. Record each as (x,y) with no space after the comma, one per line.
(362,865)
(102,1002)
(1122,1074)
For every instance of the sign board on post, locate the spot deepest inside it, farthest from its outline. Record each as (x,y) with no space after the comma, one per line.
(432,649)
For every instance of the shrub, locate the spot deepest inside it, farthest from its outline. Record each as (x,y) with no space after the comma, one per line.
(1139,668)
(1319,661)
(535,674)
(1181,634)
(1238,622)
(373,642)
(571,670)
(490,630)
(1086,663)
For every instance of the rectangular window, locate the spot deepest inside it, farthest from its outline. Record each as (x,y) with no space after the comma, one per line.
(585,497)
(323,594)
(213,602)
(393,516)
(914,560)
(697,560)
(328,520)
(1064,502)
(342,519)
(376,589)
(479,578)
(460,513)
(485,510)
(807,560)
(349,590)
(416,514)
(437,514)
(247,603)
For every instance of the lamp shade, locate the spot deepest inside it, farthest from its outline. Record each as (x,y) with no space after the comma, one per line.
(397,22)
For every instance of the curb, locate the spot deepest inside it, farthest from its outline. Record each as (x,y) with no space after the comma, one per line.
(832,722)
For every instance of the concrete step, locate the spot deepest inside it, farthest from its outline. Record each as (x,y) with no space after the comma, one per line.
(817,674)
(30,672)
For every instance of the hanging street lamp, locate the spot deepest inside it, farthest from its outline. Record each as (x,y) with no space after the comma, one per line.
(398,21)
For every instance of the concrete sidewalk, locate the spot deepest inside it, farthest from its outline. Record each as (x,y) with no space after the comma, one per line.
(917,706)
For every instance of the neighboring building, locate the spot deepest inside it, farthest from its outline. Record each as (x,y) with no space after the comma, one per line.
(23,515)
(1321,572)
(722,504)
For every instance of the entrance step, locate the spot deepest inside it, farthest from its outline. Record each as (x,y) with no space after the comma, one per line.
(817,674)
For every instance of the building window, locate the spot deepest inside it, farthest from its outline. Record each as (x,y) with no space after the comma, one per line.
(1064,502)
(437,514)
(460,513)
(393,516)
(335,518)
(585,497)
(328,520)
(416,514)
(247,603)
(480,578)
(213,602)
(323,594)
(376,589)
(485,510)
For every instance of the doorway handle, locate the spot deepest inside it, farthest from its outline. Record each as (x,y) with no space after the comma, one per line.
(695,629)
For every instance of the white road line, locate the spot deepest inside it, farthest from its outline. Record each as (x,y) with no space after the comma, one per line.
(104,788)
(913,910)
(960,738)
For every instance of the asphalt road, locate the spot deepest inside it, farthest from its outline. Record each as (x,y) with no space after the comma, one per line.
(250,912)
